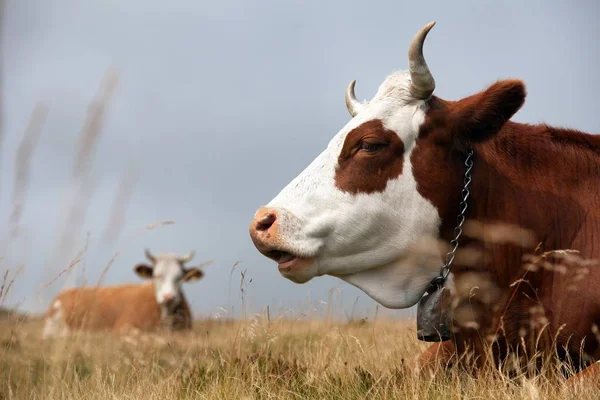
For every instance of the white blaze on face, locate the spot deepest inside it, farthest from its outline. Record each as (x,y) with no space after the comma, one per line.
(167,277)
(383,242)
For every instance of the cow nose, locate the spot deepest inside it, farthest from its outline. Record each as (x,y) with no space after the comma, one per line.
(168,297)
(265,221)
(263,229)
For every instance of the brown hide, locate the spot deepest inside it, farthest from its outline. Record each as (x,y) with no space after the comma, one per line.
(543,179)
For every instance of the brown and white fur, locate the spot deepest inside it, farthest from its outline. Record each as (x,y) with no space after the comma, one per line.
(126,308)
(373,207)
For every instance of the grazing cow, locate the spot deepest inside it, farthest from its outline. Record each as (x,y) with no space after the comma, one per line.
(143,307)
(378,208)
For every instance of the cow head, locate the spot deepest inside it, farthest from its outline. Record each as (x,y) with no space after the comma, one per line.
(370,208)
(168,272)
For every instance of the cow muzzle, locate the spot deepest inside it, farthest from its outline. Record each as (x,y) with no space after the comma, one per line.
(266,233)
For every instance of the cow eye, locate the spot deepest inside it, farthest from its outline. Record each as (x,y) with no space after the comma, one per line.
(371,147)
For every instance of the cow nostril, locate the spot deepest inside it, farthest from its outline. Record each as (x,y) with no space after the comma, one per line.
(265,222)
(168,297)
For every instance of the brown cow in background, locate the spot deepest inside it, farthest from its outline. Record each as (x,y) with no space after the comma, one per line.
(144,307)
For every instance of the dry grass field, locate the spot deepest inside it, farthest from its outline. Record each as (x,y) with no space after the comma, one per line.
(255,359)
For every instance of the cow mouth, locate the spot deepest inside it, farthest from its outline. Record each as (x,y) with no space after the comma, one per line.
(284,259)
(288,264)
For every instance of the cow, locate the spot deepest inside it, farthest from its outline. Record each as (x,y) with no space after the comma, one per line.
(125,309)
(383,207)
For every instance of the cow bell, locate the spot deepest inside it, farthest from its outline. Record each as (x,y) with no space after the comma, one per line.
(433,315)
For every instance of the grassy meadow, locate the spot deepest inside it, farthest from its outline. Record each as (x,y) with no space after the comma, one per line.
(258,358)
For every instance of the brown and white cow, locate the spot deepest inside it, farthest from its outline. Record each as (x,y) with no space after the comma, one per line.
(125,308)
(374,206)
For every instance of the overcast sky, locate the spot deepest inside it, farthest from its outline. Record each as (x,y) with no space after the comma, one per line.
(220,104)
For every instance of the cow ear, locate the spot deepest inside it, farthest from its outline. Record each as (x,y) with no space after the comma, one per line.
(481,116)
(144,270)
(192,274)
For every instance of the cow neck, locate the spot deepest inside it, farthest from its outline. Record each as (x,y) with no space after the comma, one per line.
(433,317)
(439,281)
(543,181)
(539,179)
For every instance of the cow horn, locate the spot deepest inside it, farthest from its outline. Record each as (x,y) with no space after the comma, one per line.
(149,256)
(352,104)
(188,257)
(422,82)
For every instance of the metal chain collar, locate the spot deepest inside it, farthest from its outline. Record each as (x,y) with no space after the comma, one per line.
(460,219)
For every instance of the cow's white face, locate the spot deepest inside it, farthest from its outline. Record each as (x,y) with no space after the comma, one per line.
(168,272)
(369,208)
(355,211)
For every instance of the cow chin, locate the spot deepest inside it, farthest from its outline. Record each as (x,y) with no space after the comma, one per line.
(299,270)
(170,305)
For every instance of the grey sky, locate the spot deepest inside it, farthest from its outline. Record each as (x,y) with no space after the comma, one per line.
(220,104)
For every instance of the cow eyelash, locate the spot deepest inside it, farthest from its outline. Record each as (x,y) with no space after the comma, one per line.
(370,147)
